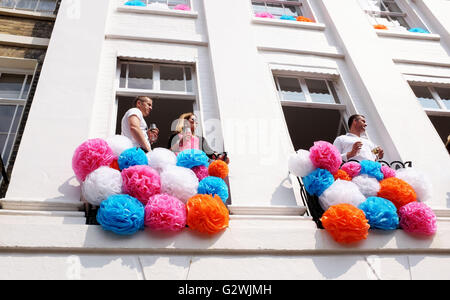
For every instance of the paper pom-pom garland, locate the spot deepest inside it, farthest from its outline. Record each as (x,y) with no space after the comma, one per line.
(191,158)
(132,157)
(100,184)
(300,164)
(141,182)
(387,172)
(418,30)
(325,156)
(206,214)
(371,168)
(304,19)
(218,168)
(264,15)
(380,213)
(352,168)
(201,172)
(166,213)
(286,17)
(418,181)
(345,223)
(367,185)
(135,3)
(417,218)
(182,7)
(214,186)
(318,181)
(341,191)
(380,26)
(159,158)
(397,191)
(121,214)
(91,155)
(179,182)
(341,174)
(119,143)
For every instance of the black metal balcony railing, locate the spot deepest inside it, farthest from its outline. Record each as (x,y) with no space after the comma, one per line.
(312,202)
(4,174)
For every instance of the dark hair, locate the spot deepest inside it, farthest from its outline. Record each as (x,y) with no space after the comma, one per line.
(140,98)
(352,118)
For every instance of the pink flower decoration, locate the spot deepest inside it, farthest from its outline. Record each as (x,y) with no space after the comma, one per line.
(352,168)
(165,212)
(387,171)
(91,155)
(264,15)
(201,172)
(325,156)
(141,182)
(182,7)
(417,218)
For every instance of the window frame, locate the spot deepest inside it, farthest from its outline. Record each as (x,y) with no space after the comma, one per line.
(298,4)
(21,98)
(148,2)
(31,10)
(442,110)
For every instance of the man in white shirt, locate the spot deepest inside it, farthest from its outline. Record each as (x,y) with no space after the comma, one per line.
(355,145)
(134,125)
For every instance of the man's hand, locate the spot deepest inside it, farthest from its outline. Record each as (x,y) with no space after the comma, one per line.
(355,149)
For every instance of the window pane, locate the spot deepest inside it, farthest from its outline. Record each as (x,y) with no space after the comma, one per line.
(26,4)
(7,3)
(8,148)
(6,117)
(172,79)
(319,91)
(26,89)
(444,93)
(176,2)
(291,10)
(140,76)
(2,145)
(290,89)
(17,119)
(188,79)
(46,5)
(424,96)
(401,21)
(11,86)
(275,9)
(258,7)
(392,6)
(123,76)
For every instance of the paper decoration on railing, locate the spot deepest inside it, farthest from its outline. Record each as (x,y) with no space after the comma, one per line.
(182,7)
(304,19)
(135,3)
(418,30)
(264,15)
(359,195)
(380,26)
(286,17)
(158,190)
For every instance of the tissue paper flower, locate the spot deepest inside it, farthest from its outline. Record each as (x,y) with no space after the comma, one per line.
(341,174)
(387,171)
(286,17)
(141,182)
(166,213)
(417,218)
(397,191)
(318,181)
(190,158)
(418,30)
(206,214)
(300,164)
(304,19)
(119,143)
(341,191)
(345,223)
(419,182)
(218,168)
(367,185)
(159,158)
(325,156)
(182,7)
(214,186)
(179,182)
(264,15)
(121,214)
(100,184)
(135,3)
(380,26)
(132,157)
(352,168)
(380,213)
(201,172)
(89,156)
(371,168)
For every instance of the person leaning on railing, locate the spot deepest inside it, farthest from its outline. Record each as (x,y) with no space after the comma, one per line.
(355,145)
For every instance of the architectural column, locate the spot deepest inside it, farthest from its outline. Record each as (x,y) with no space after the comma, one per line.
(402,123)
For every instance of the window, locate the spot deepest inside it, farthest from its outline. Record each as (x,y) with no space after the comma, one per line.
(436,102)
(278,8)
(167,3)
(31,5)
(387,13)
(14,89)
(311,108)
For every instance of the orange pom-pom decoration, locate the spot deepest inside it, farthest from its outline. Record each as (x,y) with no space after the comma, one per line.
(397,191)
(380,26)
(341,174)
(206,214)
(304,19)
(115,165)
(218,168)
(346,223)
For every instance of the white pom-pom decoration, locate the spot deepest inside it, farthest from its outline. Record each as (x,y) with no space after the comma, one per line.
(119,143)
(100,184)
(300,164)
(158,5)
(368,185)
(159,158)
(341,191)
(179,182)
(419,182)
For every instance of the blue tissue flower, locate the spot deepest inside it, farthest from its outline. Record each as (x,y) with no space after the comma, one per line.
(372,168)
(419,30)
(286,17)
(121,214)
(214,186)
(135,3)
(132,157)
(381,213)
(318,181)
(190,158)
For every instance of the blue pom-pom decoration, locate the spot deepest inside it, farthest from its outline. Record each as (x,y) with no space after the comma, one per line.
(135,3)
(381,213)
(286,17)
(191,158)
(419,30)
(121,214)
(372,168)
(318,181)
(132,157)
(214,186)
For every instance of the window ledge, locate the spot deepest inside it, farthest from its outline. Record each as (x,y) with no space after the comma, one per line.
(155,11)
(152,93)
(313,105)
(408,35)
(437,112)
(287,23)
(29,14)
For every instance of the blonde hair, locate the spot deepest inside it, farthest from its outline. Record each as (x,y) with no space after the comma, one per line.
(180,125)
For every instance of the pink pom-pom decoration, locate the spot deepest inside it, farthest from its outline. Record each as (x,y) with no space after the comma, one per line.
(200,171)
(141,182)
(182,7)
(417,218)
(264,15)
(166,213)
(325,156)
(387,171)
(352,168)
(91,155)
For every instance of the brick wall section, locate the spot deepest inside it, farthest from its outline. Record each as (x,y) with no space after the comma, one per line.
(26,27)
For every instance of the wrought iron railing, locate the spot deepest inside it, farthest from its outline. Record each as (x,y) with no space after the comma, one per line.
(4,174)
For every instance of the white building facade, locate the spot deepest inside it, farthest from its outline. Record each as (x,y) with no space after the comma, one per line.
(262,88)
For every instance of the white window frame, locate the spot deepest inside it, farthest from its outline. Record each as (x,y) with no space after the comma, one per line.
(298,3)
(148,2)
(443,110)
(22,98)
(25,9)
